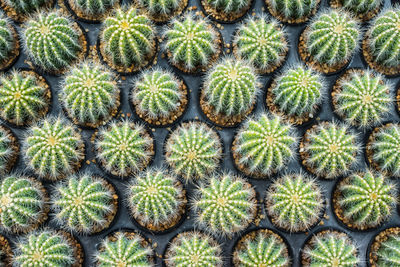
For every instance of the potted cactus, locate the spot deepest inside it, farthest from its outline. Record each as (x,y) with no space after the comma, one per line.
(292,11)
(9,43)
(9,149)
(362,9)
(384,249)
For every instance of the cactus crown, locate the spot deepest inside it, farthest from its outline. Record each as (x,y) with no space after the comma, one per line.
(25,6)
(295,202)
(53,148)
(229,5)
(7,151)
(361,6)
(225,205)
(388,253)
(7,40)
(293,9)
(97,7)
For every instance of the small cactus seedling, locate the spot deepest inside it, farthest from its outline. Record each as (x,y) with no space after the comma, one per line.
(292,11)
(6,254)
(53,41)
(361,98)
(163,10)
(385,248)
(124,249)
(226,10)
(9,149)
(159,97)
(84,204)
(9,43)
(23,204)
(193,150)
(93,11)
(124,148)
(261,248)
(192,44)
(262,42)
(157,199)
(225,205)
(295,203)
(53,148)
(89,94)
(229,92)
(127,40)
(364,200)
(296,94)
(24,97)
(193,249)
(363,9)
(330,41)
(263,145)
(19,10)
(329,150)
(330,248)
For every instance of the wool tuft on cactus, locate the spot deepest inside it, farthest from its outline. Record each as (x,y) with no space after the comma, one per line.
(9,43)
(163,10)
(9,149)
(292,11)
(385,248)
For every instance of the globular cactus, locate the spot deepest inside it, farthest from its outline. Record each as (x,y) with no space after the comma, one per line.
(361,97)
(194,249)
(157,199)
(262,42)
(225,204)
(193,150)
(161,10)
(124,148)
(292,11)
(26,7)
(386,248)
(89,94)
(92,10)
(24,97)
(295,202)
(226,10)
(9,44)
(53,148)
(84,204)
(263,145)
(365,200)
(329,149)
(9,149)
(159,97)
(364,9)
(124,249)
(23,204)
(53,41)
(191,43)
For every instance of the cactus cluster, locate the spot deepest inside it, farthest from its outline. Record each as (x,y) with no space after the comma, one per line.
(292,11)
(263,145)
(9,149)
(89,94)
(364,9)
(91,9)
(8,42)
(295,202)
(163,10)
(193,150)
(156,199)
(386,248)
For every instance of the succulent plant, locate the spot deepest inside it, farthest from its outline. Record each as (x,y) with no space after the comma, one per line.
(161,10)
(193,150)
(24,97)
(329,149)
(124,249)
(263,145)
(84,203)
(53,148)
(295,202)
(361,7)
(362,98)
(262,42)
(23,204)
(25,6)
(193,249)
(292,11)
(52,41)
(9,149)
(92,8)
(156,199)
(89,94)
(229,6)
(8,42)
(124,148)
(387,253)
(225,204)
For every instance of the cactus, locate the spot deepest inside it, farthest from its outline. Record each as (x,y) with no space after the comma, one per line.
(52,41)
(84,204)
(156,199)
(329,150)
(124,148)
(193,150)
(8,41)
(388,250)
(362,98)
(263,145)
(23,204)
(262,42)
(162,11)
(92,9)
(9,149)
(362,7)
(225,205)
(53,148)
(90,94)
(295,202)
(193,249)
(226,10)
(25,7)
(292,11)
(24,97)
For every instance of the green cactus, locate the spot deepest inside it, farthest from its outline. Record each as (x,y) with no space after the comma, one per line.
(84,204)
(225,205)
(329,150)
(362,7)
(53,148)
(292,11)
(89,94)
(193,150)
(226,10)
(26,7)
(161,10)
(263,145)
(388,251)
(8,42)
(23,204)
(295,202)
(124,148)
(156,199)
(9,149)
(92,9)
(24,97)
(193,249)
